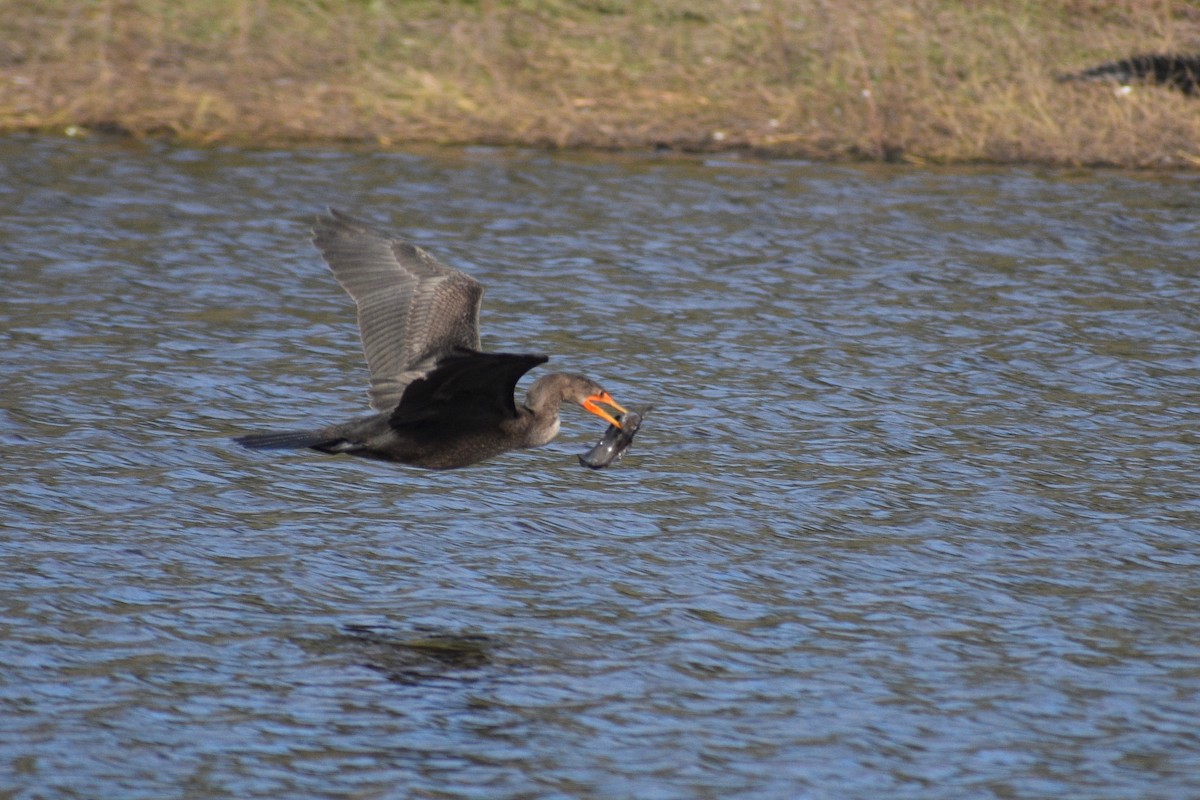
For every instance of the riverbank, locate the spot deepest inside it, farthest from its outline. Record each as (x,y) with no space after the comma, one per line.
(920,81)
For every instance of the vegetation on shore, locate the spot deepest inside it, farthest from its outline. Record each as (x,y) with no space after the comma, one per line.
(917,80)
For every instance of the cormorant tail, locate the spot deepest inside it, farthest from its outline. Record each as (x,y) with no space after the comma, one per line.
(288,440)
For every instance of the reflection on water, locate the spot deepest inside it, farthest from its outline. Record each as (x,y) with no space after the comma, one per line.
(914,516)
(428,655)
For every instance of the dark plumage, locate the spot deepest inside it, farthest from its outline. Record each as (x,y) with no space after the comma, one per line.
(1173,71)
(441,403)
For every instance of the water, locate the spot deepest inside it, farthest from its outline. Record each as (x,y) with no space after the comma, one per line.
(915,515)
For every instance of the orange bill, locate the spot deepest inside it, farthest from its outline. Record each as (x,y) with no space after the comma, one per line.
(589,404)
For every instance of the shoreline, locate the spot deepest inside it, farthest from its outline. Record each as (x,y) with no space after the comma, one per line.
(737,152)
(922,82)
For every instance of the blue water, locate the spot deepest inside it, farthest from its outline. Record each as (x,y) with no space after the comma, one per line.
(915,515)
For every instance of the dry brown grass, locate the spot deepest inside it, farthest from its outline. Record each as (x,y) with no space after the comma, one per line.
(923,80)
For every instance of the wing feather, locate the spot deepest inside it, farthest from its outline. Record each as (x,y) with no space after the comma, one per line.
(467,390)
(412,309)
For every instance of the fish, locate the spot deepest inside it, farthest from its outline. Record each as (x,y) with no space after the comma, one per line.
(616,440)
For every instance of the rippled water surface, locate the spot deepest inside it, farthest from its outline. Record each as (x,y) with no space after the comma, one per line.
(915,516)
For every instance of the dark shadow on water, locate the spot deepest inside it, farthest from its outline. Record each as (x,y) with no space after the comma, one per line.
(418,656)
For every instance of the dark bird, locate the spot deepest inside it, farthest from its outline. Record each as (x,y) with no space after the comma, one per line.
(1173,71)
(441,403)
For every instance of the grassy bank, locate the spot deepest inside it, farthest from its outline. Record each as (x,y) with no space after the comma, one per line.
(922,80)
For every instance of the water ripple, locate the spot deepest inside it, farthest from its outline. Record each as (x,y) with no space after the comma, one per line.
(914,515)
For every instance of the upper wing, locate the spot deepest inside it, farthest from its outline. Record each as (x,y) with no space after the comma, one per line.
(412,309)
(467,390)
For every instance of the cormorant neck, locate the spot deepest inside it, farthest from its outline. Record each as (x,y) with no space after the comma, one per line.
(545,397)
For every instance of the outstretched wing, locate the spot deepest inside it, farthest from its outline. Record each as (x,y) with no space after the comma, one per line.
(412,309)
(466,390)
